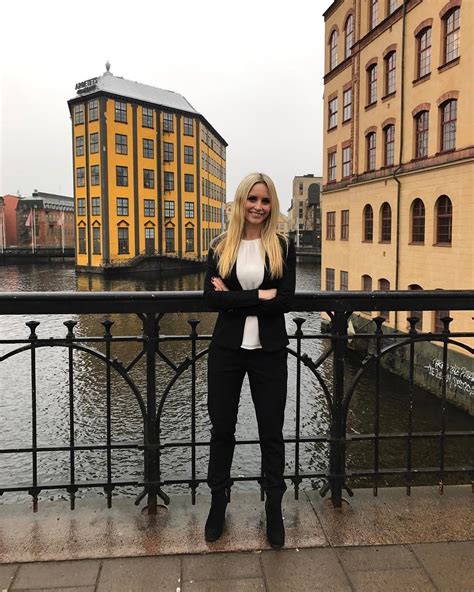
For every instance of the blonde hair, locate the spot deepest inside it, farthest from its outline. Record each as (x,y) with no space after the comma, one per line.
(226,246)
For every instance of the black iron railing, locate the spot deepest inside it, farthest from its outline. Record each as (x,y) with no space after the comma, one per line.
(336,389)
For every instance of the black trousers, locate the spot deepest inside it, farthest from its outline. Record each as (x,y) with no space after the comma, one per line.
(268,374)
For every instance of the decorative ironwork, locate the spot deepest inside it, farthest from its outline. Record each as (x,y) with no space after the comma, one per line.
(337,393)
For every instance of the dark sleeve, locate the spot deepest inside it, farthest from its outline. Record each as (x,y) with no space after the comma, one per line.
(285,290)
(225,301)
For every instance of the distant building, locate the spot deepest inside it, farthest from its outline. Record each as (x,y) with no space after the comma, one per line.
(304,218)
(228,212)
(8,234)
(149,174)
(45,220)
(283,224)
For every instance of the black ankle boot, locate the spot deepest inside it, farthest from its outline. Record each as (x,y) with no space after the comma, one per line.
(215,520)
(275,527)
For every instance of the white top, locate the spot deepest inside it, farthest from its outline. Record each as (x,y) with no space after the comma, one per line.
(250,269)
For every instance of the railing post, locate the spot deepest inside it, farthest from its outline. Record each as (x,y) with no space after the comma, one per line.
(151,453)
(337,445)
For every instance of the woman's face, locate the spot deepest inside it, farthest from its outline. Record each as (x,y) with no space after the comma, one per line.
(258,205)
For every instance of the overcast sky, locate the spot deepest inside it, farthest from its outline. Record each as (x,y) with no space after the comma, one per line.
(253,68)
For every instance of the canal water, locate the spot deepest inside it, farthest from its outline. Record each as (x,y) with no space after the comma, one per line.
(90,404)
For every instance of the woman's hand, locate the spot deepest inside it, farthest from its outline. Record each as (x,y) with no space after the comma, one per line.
(219,285)
(267,294)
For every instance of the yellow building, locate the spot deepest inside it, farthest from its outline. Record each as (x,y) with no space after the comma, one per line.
(397,204)
(149,174)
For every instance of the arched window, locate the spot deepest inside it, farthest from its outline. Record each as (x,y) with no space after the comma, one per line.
(371,151)
(374,13)
(372,84)
(384,286)
(418,221)
(348,36)
(385,223)
(416,313)
(421,134)
(389,145)
(368,218)
(390,61)
(333,50)
(451,32)
(448,124)
(423,47)
(444,220)
(366,283)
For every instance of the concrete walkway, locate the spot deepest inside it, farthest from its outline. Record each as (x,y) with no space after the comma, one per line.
(390,542)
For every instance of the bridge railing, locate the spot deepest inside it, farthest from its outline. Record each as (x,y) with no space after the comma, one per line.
(323,376)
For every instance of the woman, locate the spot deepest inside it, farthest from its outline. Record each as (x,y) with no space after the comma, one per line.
(250,280)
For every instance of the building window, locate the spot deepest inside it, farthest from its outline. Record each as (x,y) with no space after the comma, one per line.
(122,240)
(149,207)
(188,209)
(444,220)
(147,117)
(169,209)
(389,145)
(80,177)
(188,129)
(330,279)
(122,206)
(95,206)
(169,240)
(121,144)
(169,181)
(421,134)
(148,178)
(168,151)
(330,225)
(95,177)
(78,114)
(451,34)
(300,188)
(384,286)
(368,218)
(80,146)
(94,143)
(348,36)
(331,166)
(347,105)
(189,239)
(385,223)
(346,162)
(333,50)
(416,313)
(121,176)
(418,221)
(168,122)
(332,113)
(371,151)
(81,206)
(344,281)
(96,240)
(424,52)
(344,224)
(189,155)
(121,111)
(148,148)
(94,111)
(374,13)
(448,125)
(372,84)
(82,240)
(438,325)
(366,283)
(390,72)
(392,6)
(188,182)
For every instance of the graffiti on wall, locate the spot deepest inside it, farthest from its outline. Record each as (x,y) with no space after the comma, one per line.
(457,377)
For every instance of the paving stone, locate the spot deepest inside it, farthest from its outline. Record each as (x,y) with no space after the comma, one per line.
(450,565)
(56,575)
(79,589)
(143,574)
(7,573)
(392,580)
(376,558)
(220,566)
(239,585)
(304,570)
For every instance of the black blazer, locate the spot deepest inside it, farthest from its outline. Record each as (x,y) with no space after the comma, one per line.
(235,305)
